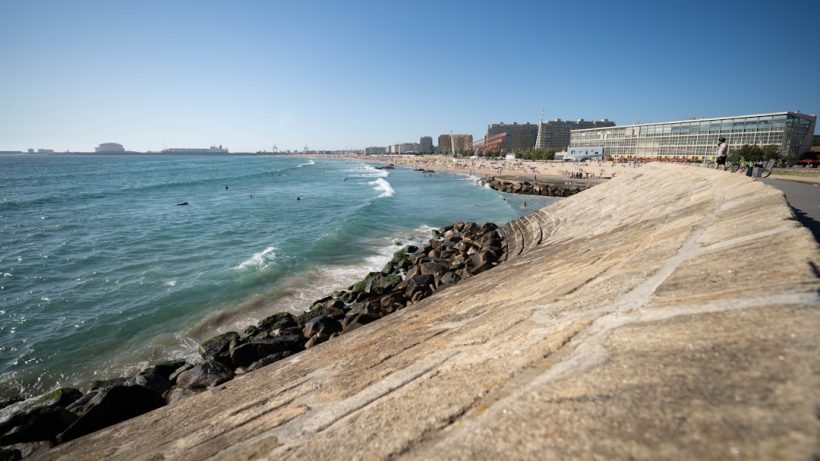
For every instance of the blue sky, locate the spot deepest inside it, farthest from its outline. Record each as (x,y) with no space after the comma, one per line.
(254,74)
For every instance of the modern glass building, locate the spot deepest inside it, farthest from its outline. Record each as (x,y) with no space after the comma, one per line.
(695,139)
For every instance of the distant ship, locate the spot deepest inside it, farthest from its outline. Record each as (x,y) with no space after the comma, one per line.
(186,150)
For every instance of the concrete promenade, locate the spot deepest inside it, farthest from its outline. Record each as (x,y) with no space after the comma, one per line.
(670,313)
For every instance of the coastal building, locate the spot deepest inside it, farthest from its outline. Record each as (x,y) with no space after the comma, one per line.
(375,150)
(555,134)
(518,137)
(409,148)
(450,143)
(695,139)
(109,147)
(492,143)
(45,151)
(192,151)
(426,145)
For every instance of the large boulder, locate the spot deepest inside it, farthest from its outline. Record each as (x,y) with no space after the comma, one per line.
(38,418)
(164,368)
(265,361)
(433,268)
(41,423)
(277,321)
(421,283)
(219,347)
(381,283)
(250,352)
(356,320)
(112,406)
(206,374)
(322,326)
(153,380)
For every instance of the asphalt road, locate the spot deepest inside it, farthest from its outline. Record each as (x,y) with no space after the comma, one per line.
(804,200)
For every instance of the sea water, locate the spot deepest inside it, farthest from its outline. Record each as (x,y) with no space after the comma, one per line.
(102,270)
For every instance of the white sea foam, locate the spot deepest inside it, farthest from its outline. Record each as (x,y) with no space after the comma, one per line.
(367,171)
(308,163)
(473,178)
(259,260)
(381,185)
(171,283)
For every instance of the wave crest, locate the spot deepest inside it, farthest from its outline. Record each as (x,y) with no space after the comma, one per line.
(381,185)
(259,260)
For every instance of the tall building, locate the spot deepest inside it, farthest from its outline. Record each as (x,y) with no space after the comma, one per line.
(458,142)
(375,150)
(555,134)
(519,137)
(408,148)
(426,145)
(694,139)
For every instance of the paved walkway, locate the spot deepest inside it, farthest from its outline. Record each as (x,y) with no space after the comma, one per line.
(804,199)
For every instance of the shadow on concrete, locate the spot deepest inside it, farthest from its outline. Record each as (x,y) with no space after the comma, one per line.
(806,220)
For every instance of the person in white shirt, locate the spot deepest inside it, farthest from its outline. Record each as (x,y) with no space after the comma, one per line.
(722,153)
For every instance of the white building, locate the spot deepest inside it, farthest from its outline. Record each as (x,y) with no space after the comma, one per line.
(107,147)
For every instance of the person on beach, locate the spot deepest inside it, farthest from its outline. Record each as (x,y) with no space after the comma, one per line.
(722,153)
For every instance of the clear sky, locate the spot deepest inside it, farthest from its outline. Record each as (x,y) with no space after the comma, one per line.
(348,74)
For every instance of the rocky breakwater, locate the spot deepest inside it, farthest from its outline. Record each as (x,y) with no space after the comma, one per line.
(455,253)
(551,188)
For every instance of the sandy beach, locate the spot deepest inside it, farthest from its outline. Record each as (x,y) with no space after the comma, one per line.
(499,167)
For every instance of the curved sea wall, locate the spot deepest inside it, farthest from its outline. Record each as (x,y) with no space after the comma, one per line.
(669,313)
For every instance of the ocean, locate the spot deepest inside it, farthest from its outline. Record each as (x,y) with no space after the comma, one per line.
(101,271)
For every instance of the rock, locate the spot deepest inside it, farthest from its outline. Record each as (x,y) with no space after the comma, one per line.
(112,406)
(110,382)
(278,321)
(265,361)
(206,374)
(10,401)
(248,353)
(29,449)
(354,321)
(152,380)
(323,326)
(314,341)
(393,299)
(488,227)
(164,368)
(219,347)
(41,423)
(433,268)
(10,454)
(173,376)
(449,278)
(380,283)
(419,284)
(40,407)
(179,393)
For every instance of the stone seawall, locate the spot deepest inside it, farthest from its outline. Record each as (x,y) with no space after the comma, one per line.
(671,313)
(551,187)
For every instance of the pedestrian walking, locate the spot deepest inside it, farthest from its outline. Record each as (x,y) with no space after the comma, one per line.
(722,153)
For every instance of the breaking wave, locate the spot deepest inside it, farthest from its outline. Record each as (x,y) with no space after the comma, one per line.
(259,261)
(381,185)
